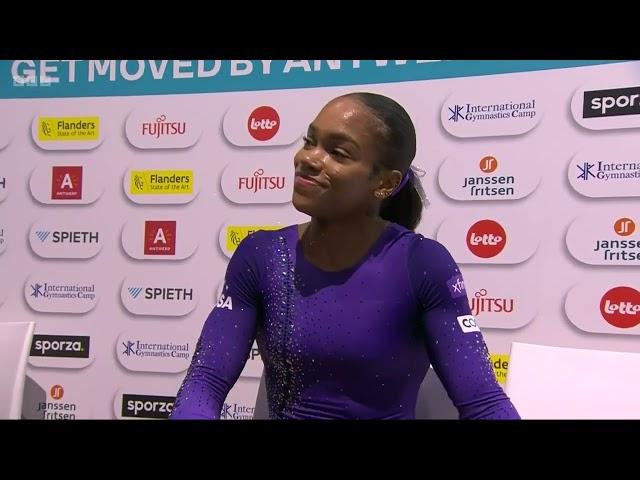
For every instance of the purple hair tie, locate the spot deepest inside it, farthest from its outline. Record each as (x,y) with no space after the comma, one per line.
(405,179)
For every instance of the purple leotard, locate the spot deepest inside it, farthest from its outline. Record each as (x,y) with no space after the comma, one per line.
(353,344)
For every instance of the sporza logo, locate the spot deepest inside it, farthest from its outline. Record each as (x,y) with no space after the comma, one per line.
(611,103)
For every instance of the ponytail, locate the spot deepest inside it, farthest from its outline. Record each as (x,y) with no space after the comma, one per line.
(404,207)
(397,136)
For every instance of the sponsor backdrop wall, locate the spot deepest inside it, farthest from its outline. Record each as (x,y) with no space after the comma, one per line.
(125,186)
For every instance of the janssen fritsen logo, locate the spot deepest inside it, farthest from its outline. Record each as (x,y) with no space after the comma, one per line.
(489,185)
(486,238)
(56,392)
(56,409)
(620,307)
(624,227)
(263,123)
(620,249)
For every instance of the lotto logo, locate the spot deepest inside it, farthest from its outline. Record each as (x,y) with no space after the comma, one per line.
(486,238)
(263,123)
(620,306)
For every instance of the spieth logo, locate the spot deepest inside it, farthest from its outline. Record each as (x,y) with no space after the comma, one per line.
(66,183)
(263,123)
(68,237)
(486,238)
(159,237)
(152,295)
(59,239)
(134,292)
(620,307)
(624,227)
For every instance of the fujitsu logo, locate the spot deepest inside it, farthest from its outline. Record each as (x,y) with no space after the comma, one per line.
(481,303)
(259,182)
(161,127)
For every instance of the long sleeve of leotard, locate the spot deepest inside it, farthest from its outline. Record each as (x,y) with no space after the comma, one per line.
(225,341)
(455,344)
